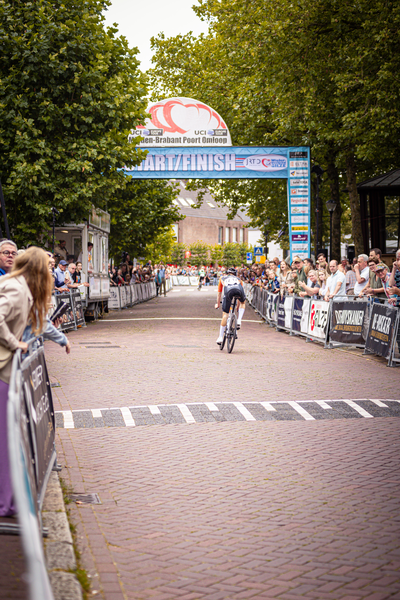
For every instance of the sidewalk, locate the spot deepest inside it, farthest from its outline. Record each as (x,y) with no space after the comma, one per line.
(227,509)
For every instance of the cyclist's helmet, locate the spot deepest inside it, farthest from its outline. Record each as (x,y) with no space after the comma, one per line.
(231,271)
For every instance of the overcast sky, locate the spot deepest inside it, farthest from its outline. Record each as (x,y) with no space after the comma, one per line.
(139,21)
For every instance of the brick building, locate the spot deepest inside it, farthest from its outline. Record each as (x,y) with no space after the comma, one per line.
(208,223)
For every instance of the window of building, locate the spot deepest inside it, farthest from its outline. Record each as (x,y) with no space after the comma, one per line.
(227,234)
(241,232)
(183,201)
(175,202)
(211,204)
(175,230)
(220,235)
(190,201)
(234,234)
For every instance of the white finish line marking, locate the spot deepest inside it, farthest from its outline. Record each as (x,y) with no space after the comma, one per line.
(127,416)
(242,409)
(323,404)
(211,406)
(301,411)
(379,403)
(175,319)
(68,419)
(268,406)
(187,415)
(96,413)
(154,409)
(360,410)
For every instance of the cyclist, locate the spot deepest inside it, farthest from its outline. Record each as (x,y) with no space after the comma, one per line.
(231,286)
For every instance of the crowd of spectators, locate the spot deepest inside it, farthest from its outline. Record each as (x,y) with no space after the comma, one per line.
(367,276)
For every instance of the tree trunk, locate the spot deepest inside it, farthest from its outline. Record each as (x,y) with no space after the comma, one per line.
(333,176)
(354,204)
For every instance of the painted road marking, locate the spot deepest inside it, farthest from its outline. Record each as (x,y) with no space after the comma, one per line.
(242,409)
(268,406)
(187,415)
(65,419)
(68,419)
(360,410)
(176,319)
(127,416)
(323,404)
(301,411)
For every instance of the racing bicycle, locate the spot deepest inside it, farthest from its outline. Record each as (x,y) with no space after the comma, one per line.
(231,328)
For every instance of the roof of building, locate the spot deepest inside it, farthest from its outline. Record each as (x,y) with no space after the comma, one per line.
(209,208)
(389,180)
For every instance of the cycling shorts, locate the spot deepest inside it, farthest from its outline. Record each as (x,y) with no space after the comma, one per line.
(234,291)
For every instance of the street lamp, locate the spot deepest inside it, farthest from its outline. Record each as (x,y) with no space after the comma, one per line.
(267,222)
(330,205)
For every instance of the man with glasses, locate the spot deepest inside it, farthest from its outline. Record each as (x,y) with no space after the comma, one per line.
(8,252)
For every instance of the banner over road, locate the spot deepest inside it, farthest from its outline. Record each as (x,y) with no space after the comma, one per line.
(242,162)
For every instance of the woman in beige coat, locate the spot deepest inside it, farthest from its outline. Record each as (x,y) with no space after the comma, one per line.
(24,298)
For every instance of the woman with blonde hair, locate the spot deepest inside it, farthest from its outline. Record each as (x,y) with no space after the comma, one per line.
(285,277)
(24,298)
(322,279)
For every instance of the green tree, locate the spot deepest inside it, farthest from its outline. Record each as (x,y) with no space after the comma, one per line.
(217,253)
(231,255)
(178,254)
(70,92)
(160,249)
(200,253)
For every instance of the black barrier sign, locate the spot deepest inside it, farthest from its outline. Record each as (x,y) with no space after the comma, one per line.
(347,322)
(68,319)
(27,450)
(297,314)
(78,308)
(39,403)
(281,313)
(381,330)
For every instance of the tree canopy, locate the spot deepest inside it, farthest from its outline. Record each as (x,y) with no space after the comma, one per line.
(322,73)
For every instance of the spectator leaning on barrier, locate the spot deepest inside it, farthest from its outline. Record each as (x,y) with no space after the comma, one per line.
(361,271)
(350,280)
(374,287)
(322,280)
(59,273)
(394,280)
(312,290)
(383,274)
(8,252)
(336,284)
(285,277)
(24,297)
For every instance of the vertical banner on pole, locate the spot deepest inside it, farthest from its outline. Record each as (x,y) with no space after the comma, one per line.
(299,202)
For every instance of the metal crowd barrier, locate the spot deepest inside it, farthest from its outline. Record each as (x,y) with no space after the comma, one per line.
(186,280)
(125,296)
(75,315)
(31,434)
(368,323)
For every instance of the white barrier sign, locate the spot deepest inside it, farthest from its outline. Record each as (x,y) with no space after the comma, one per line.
(288,311)
(113,301)
(305,315)
(318,321)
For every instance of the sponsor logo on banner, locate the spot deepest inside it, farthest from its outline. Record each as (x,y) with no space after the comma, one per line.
(318,319)
(299,210)
(348,322)
(299,182)
(300,228)
(300,237)
(381,330)
(298,154)
(299,219)
(298,164)
(299,247)
(265,162)
(299,173)
(299,191)
(299,200)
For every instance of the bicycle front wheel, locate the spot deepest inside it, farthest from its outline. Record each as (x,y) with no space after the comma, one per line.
(231,333)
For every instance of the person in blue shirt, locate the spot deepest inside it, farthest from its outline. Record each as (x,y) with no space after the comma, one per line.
(8,252)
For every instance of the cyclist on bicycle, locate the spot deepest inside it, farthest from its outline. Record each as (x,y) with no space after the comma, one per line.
(231,286)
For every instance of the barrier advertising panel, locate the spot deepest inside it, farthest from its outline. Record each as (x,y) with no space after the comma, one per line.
(347,322)
(381,330)
(113,301)
(318,322)
(78,308)
(297,314)
(68,318)
(37,394)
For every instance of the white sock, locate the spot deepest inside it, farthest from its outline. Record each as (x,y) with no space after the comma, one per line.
(222,330)
(241,313)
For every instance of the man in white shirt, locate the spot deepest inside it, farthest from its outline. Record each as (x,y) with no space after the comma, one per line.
(361,271)
(336,284)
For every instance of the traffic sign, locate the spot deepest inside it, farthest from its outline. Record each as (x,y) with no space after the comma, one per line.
(249,258)
(258,251)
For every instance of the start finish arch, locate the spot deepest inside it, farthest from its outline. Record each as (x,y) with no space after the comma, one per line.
(246,162)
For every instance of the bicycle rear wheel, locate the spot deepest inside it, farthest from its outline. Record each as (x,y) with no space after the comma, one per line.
(231,333)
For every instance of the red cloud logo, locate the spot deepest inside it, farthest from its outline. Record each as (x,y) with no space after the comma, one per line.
(180,115)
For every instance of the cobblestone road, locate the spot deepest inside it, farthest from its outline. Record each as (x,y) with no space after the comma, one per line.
(238,502)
